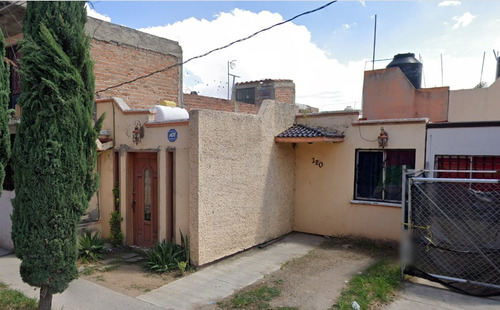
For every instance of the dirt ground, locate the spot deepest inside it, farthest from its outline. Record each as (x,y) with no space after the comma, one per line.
(316,280)
(313,281)
(128,278)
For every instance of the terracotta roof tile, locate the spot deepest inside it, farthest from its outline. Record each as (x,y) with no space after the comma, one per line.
(301,131)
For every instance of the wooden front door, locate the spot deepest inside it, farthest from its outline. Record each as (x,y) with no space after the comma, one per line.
(145,199)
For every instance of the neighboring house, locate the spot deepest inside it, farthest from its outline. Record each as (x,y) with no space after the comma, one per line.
(470,138)
(353,187)
(194,101)
(120,54)
(283,90)
(255,92)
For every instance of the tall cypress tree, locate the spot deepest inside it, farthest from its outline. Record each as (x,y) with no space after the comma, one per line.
(4,104)
(54,150)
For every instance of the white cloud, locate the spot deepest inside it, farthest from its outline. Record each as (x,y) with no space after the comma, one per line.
(463,21)
(92,13)
(449,3)
(348,26)
(285,52)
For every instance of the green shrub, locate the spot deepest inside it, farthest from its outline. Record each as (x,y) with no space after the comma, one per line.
(164,257)
(115,233)
(90,246)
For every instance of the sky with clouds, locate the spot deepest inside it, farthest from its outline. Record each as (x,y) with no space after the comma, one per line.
(324,53)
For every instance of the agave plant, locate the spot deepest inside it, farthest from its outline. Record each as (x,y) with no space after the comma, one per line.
(164,257)
(90,246)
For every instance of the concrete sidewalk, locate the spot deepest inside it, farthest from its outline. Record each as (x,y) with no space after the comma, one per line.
(223,278)
(80,294)
(421,294)
(200,288)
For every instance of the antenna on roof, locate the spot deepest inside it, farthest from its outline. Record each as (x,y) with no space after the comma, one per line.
(482,67)
(374,42)
(442,82)
(497,58)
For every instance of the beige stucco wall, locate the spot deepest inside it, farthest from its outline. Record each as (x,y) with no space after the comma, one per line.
(324,196)
(121,121)
(478,104)
(241,181)
(105,194)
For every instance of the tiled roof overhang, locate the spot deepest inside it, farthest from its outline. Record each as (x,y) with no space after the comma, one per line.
(304,134)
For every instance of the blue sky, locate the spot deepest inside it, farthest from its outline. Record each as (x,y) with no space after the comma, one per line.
(325,53)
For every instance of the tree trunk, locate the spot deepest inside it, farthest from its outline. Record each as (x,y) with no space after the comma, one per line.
(45,302)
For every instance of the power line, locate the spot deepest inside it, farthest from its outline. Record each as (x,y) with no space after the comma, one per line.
(216,49)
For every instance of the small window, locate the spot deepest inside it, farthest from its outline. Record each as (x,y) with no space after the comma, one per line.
(246,95)
(379,174)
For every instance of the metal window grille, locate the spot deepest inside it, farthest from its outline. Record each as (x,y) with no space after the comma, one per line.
(451,230)
(246,95)
(379,173)
(462,167)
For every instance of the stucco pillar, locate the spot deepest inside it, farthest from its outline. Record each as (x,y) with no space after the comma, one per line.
(123,191)
(162,194)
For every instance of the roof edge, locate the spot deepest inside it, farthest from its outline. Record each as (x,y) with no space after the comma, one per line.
(391,121)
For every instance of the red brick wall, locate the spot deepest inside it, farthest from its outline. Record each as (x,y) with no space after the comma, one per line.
(192,101)
(115,64)
(285,94)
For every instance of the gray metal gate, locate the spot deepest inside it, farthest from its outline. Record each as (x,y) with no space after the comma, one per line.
(451,231)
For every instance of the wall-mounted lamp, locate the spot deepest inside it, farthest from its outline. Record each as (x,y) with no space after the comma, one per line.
(383,138)
(138,132)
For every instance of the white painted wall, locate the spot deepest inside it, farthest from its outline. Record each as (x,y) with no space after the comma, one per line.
(461,141)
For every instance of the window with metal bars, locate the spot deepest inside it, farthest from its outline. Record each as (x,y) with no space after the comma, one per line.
(463,167)
(246,95)
(379,174)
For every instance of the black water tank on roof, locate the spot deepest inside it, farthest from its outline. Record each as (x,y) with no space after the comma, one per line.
(410,66)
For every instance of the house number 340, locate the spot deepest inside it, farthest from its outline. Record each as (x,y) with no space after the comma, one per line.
(317,162)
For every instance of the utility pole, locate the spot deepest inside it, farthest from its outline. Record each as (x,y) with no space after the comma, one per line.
(374,42)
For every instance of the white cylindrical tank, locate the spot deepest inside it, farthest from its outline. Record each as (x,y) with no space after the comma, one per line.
(164,113)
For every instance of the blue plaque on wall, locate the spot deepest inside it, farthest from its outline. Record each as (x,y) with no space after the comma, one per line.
(172,135)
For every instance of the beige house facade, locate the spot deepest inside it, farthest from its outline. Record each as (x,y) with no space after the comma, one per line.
(231,183)
(233,179)
(150,170)
(220,178)
(326,200)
